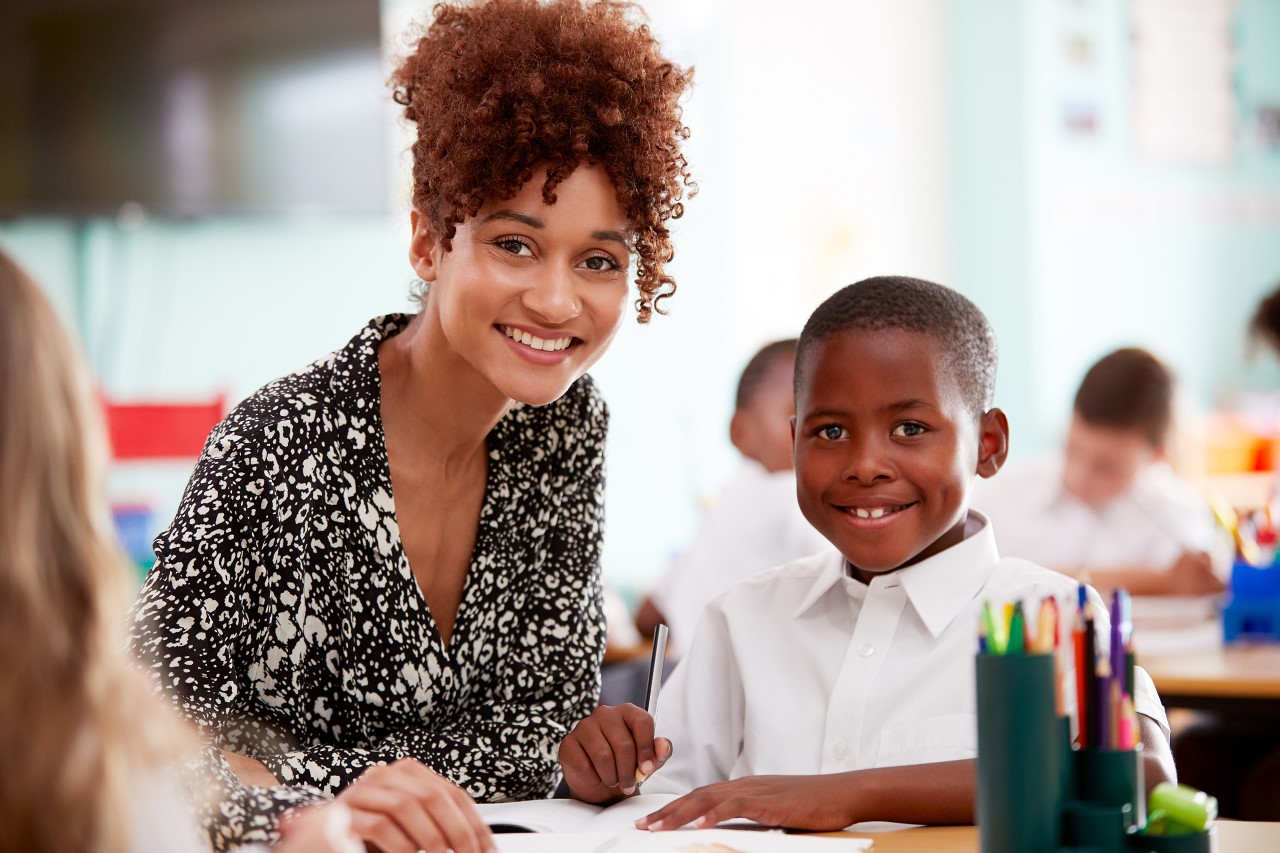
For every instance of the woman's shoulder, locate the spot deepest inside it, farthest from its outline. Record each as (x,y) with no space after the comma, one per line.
(303,402)
(567,432)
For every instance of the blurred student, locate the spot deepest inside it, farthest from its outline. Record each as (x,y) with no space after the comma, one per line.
(1110,505)
(755,524)
(839,688)
(1235,758)
(88,750)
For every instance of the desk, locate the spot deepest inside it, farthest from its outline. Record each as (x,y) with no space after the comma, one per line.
(1239,678)
(1233,837)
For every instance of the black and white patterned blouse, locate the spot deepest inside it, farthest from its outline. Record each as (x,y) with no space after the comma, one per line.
(284,621)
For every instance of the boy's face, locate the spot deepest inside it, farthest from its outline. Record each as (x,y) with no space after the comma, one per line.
(1101,462)
(886,449)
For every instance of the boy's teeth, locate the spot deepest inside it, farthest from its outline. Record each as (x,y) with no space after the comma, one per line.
(870,513)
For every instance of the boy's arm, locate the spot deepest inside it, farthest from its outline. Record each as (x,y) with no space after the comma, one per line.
(1191,574)
(941,793)
(1157,757)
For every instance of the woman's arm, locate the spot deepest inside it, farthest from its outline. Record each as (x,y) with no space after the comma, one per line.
(188,627)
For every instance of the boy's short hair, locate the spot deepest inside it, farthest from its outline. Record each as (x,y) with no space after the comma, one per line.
(1128,389)
(759,368)
(912,305)
(1265,323)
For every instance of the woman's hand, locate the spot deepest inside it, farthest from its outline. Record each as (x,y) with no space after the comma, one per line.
(406,807)
(610,752)
(319,829)
(250,771)
(798,802)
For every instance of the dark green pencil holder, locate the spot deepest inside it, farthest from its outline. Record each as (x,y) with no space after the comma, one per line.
(1191,842)
(1024,775)
(1113,777)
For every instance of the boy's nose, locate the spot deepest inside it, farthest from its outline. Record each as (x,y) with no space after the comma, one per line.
(553,297)
(866,464)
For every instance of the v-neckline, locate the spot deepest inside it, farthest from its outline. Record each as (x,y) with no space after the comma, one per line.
(463,618)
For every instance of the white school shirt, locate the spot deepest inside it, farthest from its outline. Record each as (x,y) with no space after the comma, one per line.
(1151,524)
(755,525)
(804,670)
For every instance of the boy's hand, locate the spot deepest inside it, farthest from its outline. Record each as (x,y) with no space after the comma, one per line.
(601,755)
(797,802)
(1192,574)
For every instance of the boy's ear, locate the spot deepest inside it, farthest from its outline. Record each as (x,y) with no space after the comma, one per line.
(993,442)
(423,246)
(738,430)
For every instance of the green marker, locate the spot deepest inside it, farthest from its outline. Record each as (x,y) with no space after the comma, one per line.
(995,637)
(1017,632)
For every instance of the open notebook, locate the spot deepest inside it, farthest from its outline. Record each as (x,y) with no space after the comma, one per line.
(570,826)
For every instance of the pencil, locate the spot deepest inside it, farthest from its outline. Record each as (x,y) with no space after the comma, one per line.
(654,685)
(1090,684)
(1077,648)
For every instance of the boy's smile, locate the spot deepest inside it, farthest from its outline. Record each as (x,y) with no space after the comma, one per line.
(886,447)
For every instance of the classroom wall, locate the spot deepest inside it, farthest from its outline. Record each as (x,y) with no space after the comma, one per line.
(830,143)
(1076,240)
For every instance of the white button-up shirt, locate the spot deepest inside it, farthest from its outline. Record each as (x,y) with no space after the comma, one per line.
(804,670)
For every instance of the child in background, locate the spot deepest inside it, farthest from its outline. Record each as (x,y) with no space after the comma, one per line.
(1110,505)
(756,524)
(840,688)
(89,752)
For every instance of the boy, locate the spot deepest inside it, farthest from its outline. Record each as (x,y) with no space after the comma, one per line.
(848,676)
(756,524)
(1110,506)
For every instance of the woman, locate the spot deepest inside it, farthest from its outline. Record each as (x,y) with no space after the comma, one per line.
(391,557)
(88,750)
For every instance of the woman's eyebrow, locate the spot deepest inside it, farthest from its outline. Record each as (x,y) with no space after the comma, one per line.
(535,222)
(531,221)
(611,236)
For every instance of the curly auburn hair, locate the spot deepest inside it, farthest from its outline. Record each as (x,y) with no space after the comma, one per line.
(504,86)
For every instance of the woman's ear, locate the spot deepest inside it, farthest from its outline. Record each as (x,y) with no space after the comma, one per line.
(423,246)
(993,442)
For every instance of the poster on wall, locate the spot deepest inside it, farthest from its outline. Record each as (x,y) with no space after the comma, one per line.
(1183,64)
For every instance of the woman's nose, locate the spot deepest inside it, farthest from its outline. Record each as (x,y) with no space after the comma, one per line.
(553,297)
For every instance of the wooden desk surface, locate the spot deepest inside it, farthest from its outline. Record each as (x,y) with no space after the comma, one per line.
(1233,837)
(1228,672)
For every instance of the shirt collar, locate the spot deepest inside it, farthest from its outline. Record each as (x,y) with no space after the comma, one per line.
(938,587)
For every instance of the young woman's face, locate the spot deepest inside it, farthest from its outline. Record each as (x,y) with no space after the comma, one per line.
(886,448)
(531,294)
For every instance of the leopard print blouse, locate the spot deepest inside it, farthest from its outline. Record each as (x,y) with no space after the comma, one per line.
(283,620)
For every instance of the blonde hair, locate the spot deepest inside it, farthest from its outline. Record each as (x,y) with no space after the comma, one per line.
(81,729)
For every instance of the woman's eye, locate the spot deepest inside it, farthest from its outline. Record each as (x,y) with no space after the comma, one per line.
(601,263)
(513,245)
(832,432)
(908,430)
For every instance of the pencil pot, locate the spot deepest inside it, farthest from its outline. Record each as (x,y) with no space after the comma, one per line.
(1112,777)
(1191,842)
(1023,748)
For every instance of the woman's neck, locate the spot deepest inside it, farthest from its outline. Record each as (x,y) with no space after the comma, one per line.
(432,399)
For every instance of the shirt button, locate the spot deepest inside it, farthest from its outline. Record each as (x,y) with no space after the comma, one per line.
(866,650)
(839,751)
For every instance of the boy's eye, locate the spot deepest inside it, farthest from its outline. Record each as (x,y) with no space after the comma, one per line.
(910,429)
(601,263)
(832,432)
(513,245)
